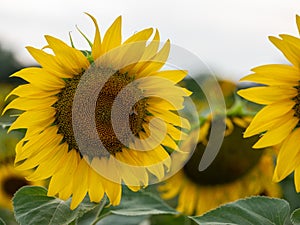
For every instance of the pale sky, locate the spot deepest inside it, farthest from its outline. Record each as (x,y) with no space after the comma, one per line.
(231,36)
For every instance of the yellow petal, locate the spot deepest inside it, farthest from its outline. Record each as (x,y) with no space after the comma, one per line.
(175,101)
(96,191)
(80,183)
(152,85)
(169,142)
(71,59)
(113,191)
(274,75)
(48,62)
(142,35)
(40,78)
(152,48)
(289,156)
(159,103)
(42,118)
(157,170)
(48,167)
(40,141)
(113,36)
(286,50)
(67,165)
(277,135)
(126,56)
(298,25)
(172,75)
(96,48)
(172,192)
(149,52)
(171,117)
(175,133)
(268,116)
(292,43)
(267,95)
(183,203)
(30,104)
(30,91)
(297,178)
(156,62)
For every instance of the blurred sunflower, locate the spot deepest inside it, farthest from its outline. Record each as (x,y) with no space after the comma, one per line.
(236,172)
(10,181)
(50,145)
(278,121)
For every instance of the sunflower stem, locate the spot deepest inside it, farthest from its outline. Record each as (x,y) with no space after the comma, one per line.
(98,216)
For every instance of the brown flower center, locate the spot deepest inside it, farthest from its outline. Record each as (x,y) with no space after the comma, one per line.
(12,184)
(110,90)
(235,158)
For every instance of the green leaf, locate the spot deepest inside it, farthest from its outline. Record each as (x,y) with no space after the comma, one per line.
(141,203)
(295,217)
(33,206)
(249,211)
(121,220)
(171,219)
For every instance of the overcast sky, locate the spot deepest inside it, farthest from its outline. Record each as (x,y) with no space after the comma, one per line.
(231,36)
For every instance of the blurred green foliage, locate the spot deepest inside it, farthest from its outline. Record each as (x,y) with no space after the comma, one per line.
(8,65)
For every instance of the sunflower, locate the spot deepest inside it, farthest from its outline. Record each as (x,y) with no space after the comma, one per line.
(236,172)
(10,181)
(62,137)
(278,120)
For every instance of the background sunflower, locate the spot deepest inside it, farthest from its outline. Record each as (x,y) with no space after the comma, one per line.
(237,172)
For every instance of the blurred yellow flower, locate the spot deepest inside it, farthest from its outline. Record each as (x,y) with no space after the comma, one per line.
(237,172)
(10,181)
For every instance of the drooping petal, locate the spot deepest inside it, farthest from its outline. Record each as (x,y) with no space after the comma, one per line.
(96,48)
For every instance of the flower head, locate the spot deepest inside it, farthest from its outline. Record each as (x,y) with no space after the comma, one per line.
(93,117)
(278,121)
(236,172)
